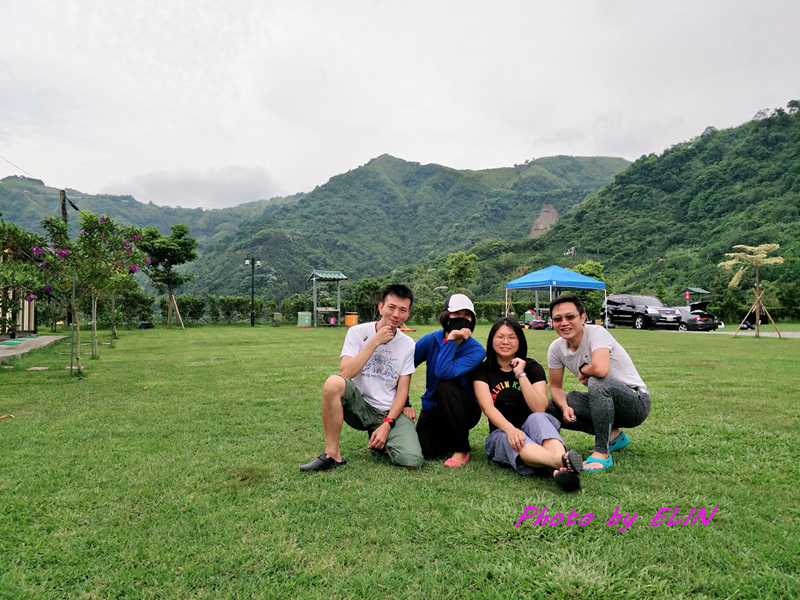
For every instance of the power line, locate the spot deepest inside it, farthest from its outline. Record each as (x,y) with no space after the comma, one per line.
(16,167)
(62,193)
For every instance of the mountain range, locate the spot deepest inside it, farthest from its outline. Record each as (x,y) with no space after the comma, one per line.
(366,222)
(657,225)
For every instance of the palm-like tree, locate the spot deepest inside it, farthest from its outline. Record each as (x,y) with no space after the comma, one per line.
(756,257)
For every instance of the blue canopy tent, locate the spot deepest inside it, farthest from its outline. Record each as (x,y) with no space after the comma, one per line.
(553,277)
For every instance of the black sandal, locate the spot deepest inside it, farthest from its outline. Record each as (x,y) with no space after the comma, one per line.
(570,480)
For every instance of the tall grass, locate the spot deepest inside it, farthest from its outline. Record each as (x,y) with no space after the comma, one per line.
(171,471)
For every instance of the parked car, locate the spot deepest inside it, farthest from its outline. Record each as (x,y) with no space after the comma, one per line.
(536,324)
(638,311)
(695,317)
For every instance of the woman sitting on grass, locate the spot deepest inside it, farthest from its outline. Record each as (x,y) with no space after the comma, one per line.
(449,407)
(512,392)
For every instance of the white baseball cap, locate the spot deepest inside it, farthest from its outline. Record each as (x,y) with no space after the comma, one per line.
(458,302)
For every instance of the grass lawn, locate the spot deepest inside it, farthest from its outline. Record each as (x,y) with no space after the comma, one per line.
(171,471)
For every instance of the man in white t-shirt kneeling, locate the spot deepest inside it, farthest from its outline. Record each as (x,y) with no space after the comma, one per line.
(371,390)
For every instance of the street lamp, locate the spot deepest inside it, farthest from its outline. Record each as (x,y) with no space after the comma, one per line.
(254,262)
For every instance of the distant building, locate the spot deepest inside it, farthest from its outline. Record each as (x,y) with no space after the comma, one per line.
(25,320)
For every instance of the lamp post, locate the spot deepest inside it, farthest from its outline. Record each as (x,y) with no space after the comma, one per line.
(254,262)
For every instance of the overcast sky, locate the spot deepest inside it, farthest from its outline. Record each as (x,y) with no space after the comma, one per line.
(208,103)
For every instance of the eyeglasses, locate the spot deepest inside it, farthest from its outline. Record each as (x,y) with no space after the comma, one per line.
(570,317)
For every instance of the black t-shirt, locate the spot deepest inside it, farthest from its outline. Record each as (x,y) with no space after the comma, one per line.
(505,390)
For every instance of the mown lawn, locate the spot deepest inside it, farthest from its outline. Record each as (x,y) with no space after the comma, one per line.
(171,471)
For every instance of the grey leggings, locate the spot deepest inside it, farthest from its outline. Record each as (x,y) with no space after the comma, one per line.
(607,404)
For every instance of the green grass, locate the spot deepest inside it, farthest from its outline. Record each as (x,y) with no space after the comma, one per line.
(170,471)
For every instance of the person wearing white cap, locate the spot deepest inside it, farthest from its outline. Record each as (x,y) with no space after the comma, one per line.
(449,406)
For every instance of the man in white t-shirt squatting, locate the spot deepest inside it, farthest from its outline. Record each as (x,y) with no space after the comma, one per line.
(616,396)
(371,390)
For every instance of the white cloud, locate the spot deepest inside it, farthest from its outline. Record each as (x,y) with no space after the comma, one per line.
(96,94)
(211,188)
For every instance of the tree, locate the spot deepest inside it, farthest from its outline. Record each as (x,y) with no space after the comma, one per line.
(592,301)
(756,257)
(423,311)
(461,271)
(789,296)
(166,254)
(364,298)
(271,308)
(102,258)
(590,268)
(122,289)
(227,307)
(730,309)
(135,305)
(213,308)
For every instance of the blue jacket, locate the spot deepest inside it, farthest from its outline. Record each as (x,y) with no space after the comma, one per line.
(446,361)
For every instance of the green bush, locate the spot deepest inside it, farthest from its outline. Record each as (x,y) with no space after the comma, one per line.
(192,308)
(213,308)
(490,311)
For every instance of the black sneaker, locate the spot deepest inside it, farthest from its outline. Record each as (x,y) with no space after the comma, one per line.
(321,463)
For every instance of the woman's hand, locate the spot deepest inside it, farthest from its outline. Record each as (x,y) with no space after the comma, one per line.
(569,414)
(516,438)
(518,364)
(459,335)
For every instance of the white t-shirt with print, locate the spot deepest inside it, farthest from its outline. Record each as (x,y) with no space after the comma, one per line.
(377,381)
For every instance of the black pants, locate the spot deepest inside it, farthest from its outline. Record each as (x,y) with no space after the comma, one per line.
(607,404)
(445,429)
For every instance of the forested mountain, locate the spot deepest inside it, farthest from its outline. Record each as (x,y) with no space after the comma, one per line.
(667,221)
(390,213)
(25,202)
(658,225)
(365,222)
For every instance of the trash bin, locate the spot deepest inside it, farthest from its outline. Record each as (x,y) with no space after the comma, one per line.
(304,319)
(350,319)
(529,317)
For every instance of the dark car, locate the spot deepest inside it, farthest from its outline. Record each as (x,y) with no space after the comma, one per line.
(695,317)
(536,324)
(638,311)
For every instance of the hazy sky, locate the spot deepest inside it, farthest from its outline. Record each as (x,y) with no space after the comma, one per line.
(199,103)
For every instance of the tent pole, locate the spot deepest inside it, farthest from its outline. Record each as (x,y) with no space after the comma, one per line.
(506,301)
